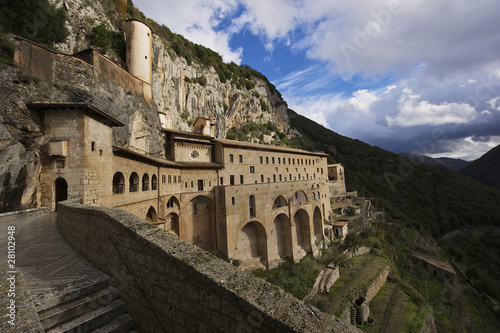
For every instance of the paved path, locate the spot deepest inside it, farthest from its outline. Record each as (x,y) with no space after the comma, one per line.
(50,267)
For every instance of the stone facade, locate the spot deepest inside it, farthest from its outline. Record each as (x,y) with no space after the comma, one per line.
(246,202)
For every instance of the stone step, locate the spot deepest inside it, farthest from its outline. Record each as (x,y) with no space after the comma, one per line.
(72,309)
(121,324)
(45,298)
(91,320)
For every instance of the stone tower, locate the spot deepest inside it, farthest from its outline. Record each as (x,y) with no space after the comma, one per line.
(139,50)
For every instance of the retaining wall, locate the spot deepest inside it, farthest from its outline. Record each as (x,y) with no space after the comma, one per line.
(189,289)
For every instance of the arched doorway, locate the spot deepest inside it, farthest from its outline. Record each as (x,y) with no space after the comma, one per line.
(172,223)
(318,226)
(283,236)
(252,244)
(301,219)
(202,222)
(61,187)
(151,215)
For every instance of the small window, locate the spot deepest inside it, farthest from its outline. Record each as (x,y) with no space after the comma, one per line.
(192,184)
(241,179)
(175,179)
(230,158)
(154,183)
(170,179)
(280,177)
(267,160)
(252,169)
(93,145)
(261,178)
(274,178)
(145,182)
(261,160)
(163,179)
(222,180)
(134,182)
(231,179)
(251,204)
(232,200)
(200,184)
(268,180)
(279,160)
(100,152)
(241,158)
(272,160)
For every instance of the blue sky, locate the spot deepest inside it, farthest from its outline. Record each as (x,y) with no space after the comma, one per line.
(417,76)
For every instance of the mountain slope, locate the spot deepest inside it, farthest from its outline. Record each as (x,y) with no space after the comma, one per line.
(447,163)
(433,199)
(486,169)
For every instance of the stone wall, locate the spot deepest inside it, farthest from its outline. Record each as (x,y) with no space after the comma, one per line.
(190,290)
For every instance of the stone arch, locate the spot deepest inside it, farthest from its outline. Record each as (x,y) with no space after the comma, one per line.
(302,230)
(284,242)
(299,197)
(145,182)
(173,203)
(252,244)
(317,222)
(118,183)
(280,201)
(61,189)
(151,215)
(202,222)
(172,223)
(133,182)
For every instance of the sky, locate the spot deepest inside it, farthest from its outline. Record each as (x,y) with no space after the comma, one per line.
(419,76)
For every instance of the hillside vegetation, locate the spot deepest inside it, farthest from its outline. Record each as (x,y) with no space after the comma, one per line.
(433,200)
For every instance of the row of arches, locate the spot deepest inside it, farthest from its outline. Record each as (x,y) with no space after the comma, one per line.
(133,183)
(255,243)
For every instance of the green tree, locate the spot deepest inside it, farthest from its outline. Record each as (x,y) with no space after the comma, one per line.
(101,37)
(36,20)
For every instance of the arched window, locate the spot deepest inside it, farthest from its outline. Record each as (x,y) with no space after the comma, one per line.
(134,182)
(318,196)
(118,183)
(145,182)
(154,183)
(251,204)
(314,196)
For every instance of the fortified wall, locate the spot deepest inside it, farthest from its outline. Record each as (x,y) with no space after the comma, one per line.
(170,285)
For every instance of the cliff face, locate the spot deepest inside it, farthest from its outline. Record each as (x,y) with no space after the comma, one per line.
(183,101)
(64,79)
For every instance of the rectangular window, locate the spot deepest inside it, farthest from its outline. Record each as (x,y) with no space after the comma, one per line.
(268,180)
(241,179)
(179,178)
(163,179)
(288,160)
(284,179)
(175,179)
(252,169)
(279,160)
(261,160)
(231,180)
(192,184)
(274,178)
(60,164)
(222,180)
(100,152)
(261,178)
(170,179)
(93,145)
(241,158)
(273,160)
(280,177)
(230,158)
(200,184)
(232,200)
(267,160)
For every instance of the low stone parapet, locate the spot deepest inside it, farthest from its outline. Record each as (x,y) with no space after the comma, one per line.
(170,285)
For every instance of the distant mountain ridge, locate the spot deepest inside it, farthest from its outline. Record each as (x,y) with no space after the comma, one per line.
(453,164)
(486,169)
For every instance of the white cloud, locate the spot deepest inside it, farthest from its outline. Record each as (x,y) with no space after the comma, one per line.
(417,113)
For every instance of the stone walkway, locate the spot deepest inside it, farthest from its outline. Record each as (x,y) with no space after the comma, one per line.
(47,269)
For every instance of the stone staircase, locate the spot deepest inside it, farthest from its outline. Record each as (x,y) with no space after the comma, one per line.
(92,307)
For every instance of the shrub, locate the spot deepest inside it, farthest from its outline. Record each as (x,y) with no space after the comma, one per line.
(36,20)
(101,38)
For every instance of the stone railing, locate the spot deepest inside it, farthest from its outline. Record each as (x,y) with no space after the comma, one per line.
(170,285)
